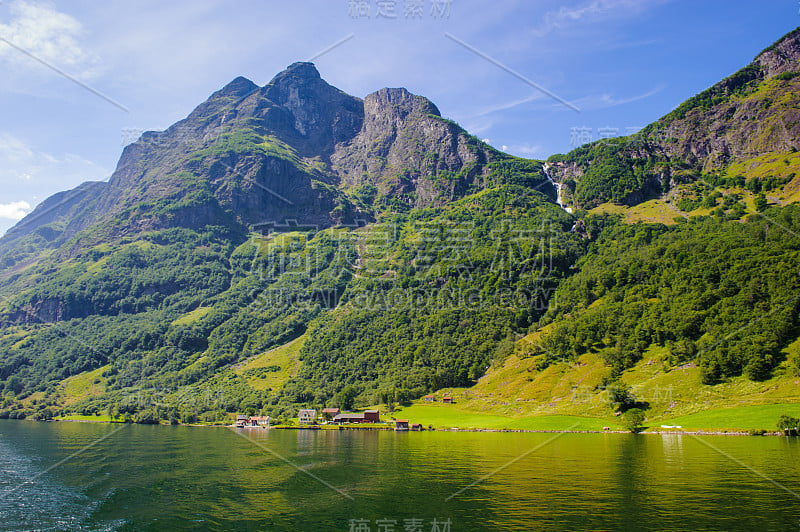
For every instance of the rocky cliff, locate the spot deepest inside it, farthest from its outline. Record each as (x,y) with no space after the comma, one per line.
(753,112)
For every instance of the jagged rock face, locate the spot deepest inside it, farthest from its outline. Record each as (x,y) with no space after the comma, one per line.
(732,131)
(781,57)
(748,124)
(319,113)
(403,145)
(292,149)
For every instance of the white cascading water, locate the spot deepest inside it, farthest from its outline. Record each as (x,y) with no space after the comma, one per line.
(558,187)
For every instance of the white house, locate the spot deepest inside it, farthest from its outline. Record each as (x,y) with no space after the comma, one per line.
(307,417)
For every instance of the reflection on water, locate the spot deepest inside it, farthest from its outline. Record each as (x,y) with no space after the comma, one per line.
(673,448)
(182,478)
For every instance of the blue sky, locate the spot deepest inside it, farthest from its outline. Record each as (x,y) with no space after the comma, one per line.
(141,65)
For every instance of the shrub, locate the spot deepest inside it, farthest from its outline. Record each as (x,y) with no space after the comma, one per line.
(788,424)
(633,420)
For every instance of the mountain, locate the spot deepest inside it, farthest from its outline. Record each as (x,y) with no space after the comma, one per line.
(292,245)
(296,149)
(753,113)
(158,276)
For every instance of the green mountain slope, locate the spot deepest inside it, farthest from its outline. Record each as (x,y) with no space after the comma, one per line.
(291,245)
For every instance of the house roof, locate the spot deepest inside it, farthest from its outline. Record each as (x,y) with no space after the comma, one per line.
(330,410)
(370,411)
(401,421)
(349,416)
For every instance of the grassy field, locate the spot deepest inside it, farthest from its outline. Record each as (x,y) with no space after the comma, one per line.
(652,211)
(103,418)
(442,416)
(741,418)
(82,386)
(285,358)
(193,316)
(517,395)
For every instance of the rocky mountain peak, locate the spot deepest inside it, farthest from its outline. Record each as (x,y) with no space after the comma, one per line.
(302,69)
(237,88)
(320,113)
(296,78)
(398,101)
(292,149)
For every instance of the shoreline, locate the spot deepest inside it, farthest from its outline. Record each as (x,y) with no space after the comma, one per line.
(696,432)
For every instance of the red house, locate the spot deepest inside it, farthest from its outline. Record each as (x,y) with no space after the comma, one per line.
(447,400)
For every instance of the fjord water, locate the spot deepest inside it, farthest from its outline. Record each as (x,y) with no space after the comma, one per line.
(85,476)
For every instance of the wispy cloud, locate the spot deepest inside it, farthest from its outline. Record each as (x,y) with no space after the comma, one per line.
(506,106)
(15,210)
(48,34)
(566,16)
(604,101)
(525,150)
(25,170)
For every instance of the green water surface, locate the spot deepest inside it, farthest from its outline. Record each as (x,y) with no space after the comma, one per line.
(86,476)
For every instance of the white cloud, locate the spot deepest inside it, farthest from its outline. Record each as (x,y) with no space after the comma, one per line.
(48,34)
(26,172)
(15,210)
(566,16)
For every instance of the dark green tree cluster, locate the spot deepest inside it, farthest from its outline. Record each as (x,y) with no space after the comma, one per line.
(723,294)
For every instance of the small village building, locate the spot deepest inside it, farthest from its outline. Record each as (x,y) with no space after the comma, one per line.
(429,398)
(349,417)
(330,413)
(241,420)
(447,400)
(401,425)
(368,416)
(416,427)
(259,421)
(307,416)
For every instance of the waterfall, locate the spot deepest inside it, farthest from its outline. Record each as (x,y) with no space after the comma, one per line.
(558,187)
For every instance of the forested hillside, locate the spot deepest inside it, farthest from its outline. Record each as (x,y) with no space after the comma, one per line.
(273,251)
(723,294)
